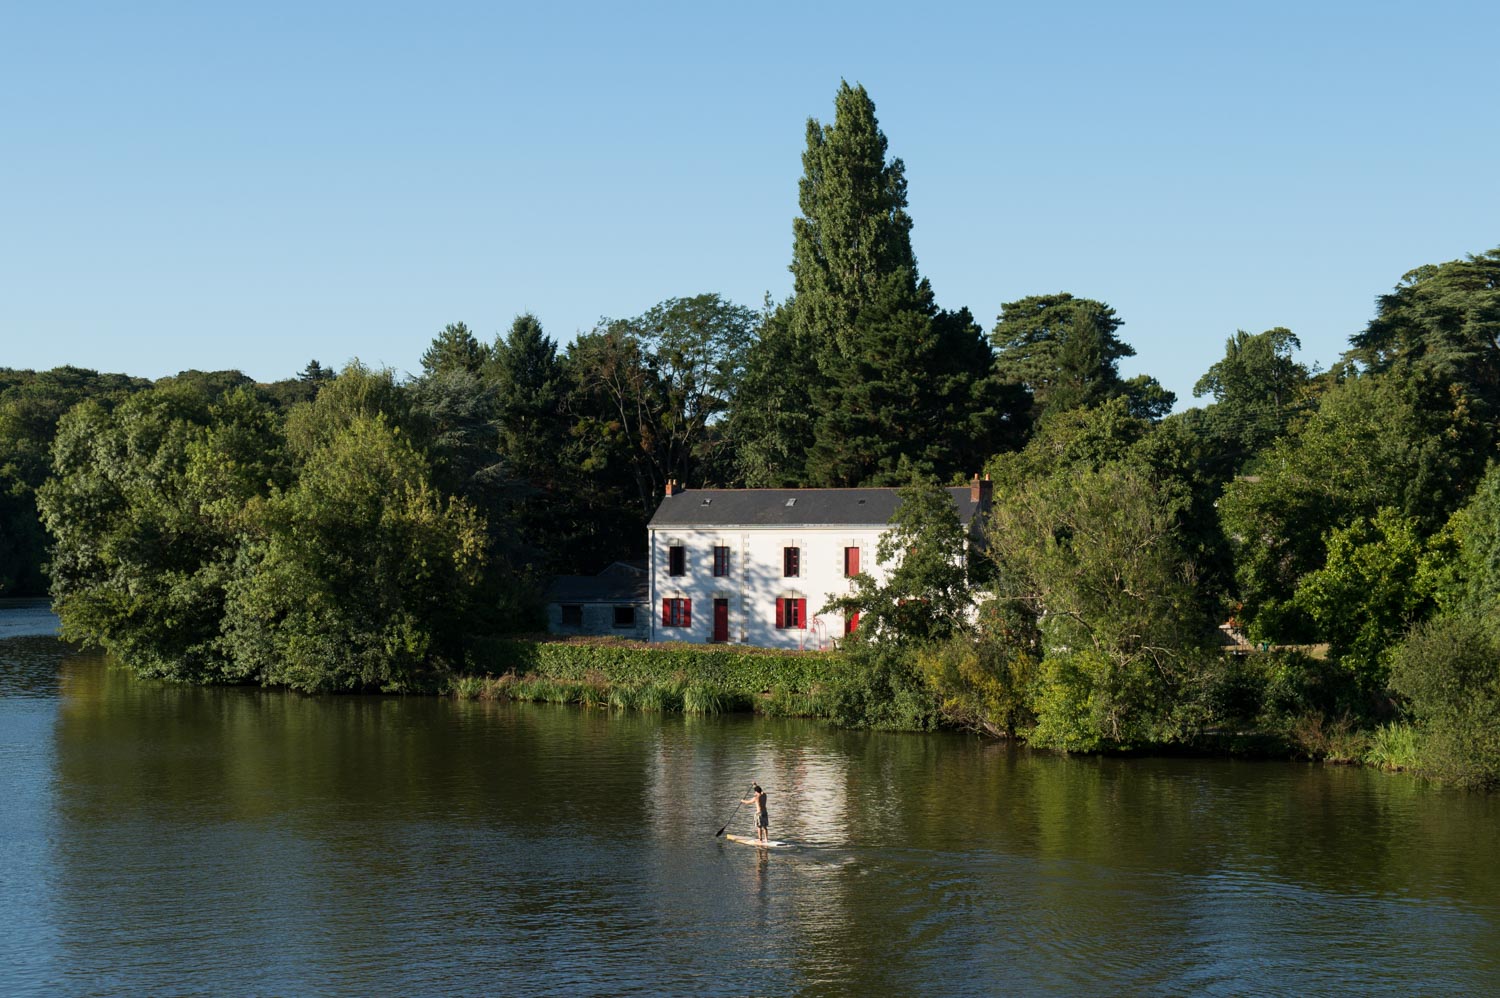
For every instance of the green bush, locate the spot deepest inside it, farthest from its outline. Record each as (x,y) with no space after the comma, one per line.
(983,685)
(468,687)
(1293,684)
(1065,705)
(786,701)
(881,688)
(1331,739)
(702,698)
(1394,746)
(1448,673)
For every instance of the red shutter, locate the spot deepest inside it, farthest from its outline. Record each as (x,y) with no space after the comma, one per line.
(687,613)
(802,614)
(851,561)
(780,613)
(666,613)
(852,624)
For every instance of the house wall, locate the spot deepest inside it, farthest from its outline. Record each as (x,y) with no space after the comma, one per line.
(599,618)
(755,581)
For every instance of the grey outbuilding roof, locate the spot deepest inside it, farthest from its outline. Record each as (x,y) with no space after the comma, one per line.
(791,507)
(598,589)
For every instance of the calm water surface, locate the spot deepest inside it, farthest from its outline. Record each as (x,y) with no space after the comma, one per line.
(158,839)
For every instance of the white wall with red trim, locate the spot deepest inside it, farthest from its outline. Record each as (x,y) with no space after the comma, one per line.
(755,582)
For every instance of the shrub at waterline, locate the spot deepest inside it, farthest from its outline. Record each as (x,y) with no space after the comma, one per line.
(1448,672)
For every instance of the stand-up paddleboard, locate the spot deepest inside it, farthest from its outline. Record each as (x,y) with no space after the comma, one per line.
(752,841)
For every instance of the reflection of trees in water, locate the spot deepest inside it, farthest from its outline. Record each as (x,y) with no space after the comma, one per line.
(325,836)
(29,666)
(327,826)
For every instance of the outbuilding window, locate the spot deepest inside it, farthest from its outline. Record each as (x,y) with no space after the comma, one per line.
(624,616)
(572,615)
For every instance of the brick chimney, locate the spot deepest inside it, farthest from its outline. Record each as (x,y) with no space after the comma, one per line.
(980,491)
(673,488)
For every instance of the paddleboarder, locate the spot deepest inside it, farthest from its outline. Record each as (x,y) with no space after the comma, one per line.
(762,816)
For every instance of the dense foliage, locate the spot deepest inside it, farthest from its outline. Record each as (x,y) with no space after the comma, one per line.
(1340,528)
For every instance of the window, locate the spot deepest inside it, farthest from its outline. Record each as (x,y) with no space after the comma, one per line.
(791,562)
(851,562)
(676,560)
(721,561)
(791,612)
(624,616)
(851,623)
(572,615)
(677,613)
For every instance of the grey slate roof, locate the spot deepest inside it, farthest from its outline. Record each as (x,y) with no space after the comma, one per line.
(598,589)
(768,508)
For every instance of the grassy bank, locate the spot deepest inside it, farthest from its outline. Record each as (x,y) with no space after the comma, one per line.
(695,679)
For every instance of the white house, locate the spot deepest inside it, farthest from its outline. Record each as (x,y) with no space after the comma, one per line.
(754,566)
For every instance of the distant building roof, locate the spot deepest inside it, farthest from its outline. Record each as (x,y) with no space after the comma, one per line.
(625,568)
(599,589)
(791,507)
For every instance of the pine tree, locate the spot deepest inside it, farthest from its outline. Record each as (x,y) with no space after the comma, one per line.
(316,374)
(529,381)
(455,348)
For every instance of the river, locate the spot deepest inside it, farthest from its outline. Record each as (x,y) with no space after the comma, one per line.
(159,839)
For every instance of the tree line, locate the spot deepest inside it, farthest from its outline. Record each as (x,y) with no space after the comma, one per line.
(357,529)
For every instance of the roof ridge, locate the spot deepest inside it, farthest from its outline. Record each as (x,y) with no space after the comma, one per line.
(814,488)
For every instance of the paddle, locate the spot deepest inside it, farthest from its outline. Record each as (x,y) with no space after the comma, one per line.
(731,817)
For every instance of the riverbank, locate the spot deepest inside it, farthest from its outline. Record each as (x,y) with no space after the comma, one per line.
(1271,707)
(675,678)
(846,691)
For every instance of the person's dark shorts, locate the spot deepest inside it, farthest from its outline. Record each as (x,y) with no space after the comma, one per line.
(763,821)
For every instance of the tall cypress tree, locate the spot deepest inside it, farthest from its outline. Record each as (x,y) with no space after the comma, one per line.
(897,384)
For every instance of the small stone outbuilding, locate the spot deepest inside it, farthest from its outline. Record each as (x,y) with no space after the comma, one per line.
(614,602)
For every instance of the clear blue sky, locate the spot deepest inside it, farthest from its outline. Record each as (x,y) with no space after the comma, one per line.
(251,186)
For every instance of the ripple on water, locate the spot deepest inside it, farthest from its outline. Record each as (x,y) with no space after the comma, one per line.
(21,618)
(181,840)
(29,667)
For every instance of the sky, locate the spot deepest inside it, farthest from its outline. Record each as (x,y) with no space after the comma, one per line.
(254,186)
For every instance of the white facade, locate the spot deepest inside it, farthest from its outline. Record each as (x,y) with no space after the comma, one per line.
(755,580)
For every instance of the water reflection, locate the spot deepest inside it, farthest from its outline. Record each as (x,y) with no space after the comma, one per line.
(176,839)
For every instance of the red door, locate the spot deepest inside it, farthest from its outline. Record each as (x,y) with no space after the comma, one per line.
(721,620)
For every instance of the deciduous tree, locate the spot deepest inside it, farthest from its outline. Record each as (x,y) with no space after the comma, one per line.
(926,594)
